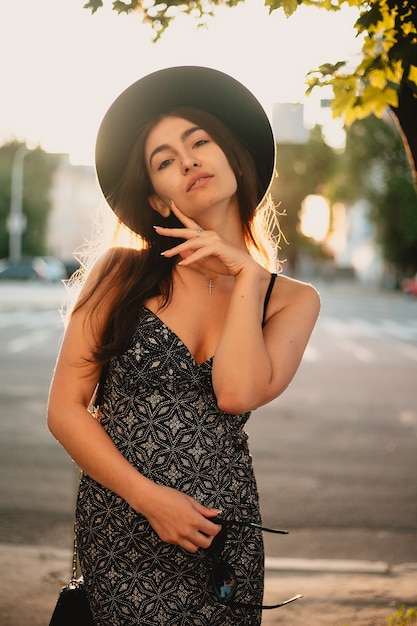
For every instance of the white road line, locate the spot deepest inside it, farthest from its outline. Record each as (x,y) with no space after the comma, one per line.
(399,330)
(14,318)
(19,391)
(406,350)
(360,353)
(355,328)
(313,354)
(28,319)
(26,341)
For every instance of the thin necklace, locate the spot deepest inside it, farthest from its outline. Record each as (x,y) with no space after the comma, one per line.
(210,281)
(210,285)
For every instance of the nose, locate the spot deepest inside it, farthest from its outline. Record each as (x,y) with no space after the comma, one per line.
(189,163)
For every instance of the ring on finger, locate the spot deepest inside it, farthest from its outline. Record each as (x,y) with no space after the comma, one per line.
(199,231)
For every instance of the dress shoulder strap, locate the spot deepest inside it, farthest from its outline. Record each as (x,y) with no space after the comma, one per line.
(268,295)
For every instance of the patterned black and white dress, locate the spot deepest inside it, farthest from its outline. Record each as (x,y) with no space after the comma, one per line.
(160,410)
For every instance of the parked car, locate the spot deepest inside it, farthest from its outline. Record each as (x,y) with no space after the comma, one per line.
(45,268)
(409,286)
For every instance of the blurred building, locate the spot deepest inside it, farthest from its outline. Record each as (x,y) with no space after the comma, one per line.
(288,123)
(350,238)
(75,197)
(352,242)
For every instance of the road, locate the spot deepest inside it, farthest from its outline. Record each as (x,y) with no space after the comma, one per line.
(335,455)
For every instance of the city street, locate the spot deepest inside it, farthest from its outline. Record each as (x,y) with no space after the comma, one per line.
(335,455)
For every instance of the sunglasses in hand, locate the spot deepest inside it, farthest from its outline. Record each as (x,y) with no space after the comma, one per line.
(223,576)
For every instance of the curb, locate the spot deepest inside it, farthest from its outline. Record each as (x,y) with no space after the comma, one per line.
(342,566)
(272,564)
(337,566)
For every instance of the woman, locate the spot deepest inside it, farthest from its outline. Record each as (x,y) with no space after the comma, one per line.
(186,336)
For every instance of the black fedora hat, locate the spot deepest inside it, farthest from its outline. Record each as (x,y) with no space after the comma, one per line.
(199,87)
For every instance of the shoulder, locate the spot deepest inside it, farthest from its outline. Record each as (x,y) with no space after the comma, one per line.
(114,259)
(290,287)
(112,265)
(294,295)
(105,279)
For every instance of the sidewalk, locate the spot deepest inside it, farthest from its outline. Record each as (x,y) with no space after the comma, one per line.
(336,593)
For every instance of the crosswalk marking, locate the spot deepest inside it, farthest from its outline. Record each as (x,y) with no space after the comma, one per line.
(359,352)
(353,327)
(408,351)
(29,319)
(400,331)
(352,336)
(348,327)
(27,341)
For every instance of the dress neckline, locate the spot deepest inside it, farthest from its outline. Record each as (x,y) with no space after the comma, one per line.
(210,359)
(172,332)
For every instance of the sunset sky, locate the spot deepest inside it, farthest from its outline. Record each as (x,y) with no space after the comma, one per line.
(61,67)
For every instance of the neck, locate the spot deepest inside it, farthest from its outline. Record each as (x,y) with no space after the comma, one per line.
(209,277)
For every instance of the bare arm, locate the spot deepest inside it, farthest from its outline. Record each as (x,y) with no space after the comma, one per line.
(176,517)
(254,365)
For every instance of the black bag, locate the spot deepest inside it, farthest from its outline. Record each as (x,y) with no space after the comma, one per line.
(72,607)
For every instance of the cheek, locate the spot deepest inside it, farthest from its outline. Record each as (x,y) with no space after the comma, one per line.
(228,173)
(163,188)
(231,179)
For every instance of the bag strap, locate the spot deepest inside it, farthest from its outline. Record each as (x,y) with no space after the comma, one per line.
(100,387)
(75,556)
(97,399)
(75,581)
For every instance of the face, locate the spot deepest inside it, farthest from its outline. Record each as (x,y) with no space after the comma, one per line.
(187,166)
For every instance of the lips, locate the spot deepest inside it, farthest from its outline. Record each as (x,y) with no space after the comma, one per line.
(196,180)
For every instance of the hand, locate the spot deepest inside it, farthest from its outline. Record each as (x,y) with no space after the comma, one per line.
(180,520)
(205,247)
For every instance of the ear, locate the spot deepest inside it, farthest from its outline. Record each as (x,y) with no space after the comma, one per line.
(159,205)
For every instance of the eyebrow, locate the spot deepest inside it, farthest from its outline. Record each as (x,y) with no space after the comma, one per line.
(166,146)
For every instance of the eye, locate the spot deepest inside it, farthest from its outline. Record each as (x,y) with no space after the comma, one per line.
(200,142)
(164,164)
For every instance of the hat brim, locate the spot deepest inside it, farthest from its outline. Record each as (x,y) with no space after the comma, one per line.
(192,86)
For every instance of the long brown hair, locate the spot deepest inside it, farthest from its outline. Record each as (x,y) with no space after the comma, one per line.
(138,275)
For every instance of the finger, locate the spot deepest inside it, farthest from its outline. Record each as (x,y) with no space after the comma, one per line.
(179,233)
(206,254)
(177,211)
(209,513)
(187,221)
(201,540)
(210,530)
(189,546)
(179,214)
(191,246)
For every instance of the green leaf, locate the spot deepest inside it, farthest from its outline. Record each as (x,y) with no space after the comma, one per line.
(93,5)
(289,6)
